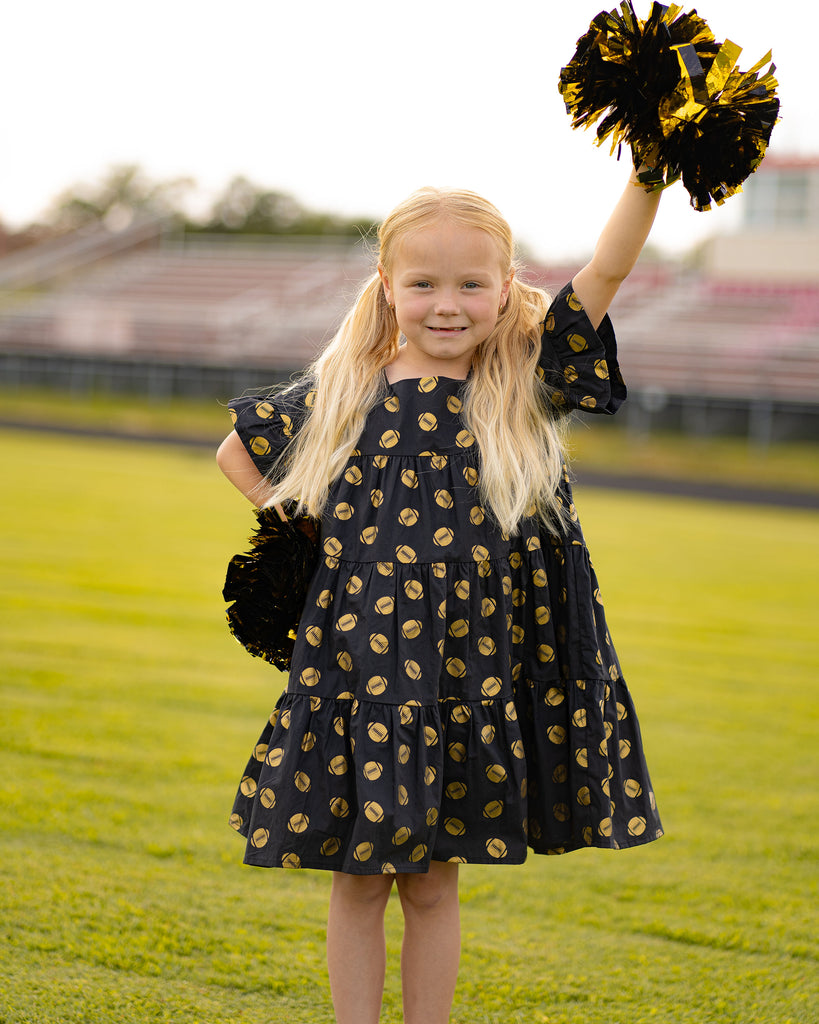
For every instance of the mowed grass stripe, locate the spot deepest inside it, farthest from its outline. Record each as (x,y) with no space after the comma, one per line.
(128,713)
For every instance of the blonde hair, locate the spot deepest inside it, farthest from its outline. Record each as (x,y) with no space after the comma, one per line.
(506,404)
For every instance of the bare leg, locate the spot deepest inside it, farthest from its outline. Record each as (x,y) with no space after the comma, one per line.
(432,943)
(356,953)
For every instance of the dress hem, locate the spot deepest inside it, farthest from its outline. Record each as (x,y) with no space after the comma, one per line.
(636,842)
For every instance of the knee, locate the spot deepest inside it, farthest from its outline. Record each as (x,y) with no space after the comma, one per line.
(425,892)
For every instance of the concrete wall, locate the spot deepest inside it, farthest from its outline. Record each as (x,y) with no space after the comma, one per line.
(759,255)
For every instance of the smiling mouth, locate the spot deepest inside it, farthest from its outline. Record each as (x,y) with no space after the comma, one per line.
(447,330)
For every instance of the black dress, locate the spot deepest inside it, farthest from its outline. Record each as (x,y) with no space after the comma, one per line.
(454,694)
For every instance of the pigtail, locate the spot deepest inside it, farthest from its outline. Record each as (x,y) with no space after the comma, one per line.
(348,384)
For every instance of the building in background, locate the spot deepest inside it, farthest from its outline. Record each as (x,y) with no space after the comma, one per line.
(778,239)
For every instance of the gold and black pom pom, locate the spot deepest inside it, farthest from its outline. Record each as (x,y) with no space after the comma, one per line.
(668,90)
(268,585)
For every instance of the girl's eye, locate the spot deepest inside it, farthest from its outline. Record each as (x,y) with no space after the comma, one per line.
(422,284)
(471,284)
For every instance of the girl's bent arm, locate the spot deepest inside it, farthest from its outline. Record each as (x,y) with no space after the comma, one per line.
(617,249)
(232,458)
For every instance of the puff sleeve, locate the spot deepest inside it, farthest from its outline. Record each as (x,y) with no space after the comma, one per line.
(267,423)
(579,362)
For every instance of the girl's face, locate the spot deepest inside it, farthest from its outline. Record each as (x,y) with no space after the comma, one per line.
(447,285)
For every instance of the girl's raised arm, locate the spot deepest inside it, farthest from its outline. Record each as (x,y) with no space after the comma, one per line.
(618,247)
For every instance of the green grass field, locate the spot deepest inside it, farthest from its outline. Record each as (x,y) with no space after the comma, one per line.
(128,713)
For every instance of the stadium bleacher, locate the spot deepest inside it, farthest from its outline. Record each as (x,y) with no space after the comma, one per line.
(268,307)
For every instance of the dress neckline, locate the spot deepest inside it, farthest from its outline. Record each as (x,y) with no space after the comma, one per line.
(428,376)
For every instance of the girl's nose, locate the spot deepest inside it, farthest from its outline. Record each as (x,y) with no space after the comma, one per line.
(446,302)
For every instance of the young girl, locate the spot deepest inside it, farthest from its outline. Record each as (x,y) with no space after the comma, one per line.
(453,696)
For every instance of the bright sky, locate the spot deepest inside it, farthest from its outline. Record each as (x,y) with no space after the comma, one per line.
(350,106)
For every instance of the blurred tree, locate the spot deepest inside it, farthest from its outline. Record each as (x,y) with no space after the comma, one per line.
(124,193)
(249,209)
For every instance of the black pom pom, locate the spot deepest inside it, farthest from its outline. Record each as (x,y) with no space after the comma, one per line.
(666,88)
(268,585)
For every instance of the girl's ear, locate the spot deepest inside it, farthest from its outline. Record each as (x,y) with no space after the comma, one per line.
(507,284)
(385,282)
